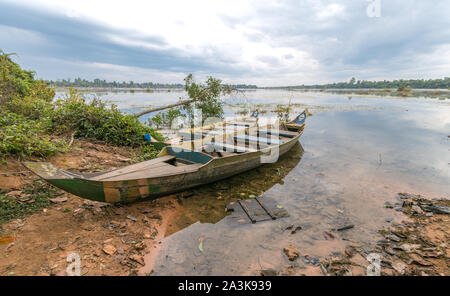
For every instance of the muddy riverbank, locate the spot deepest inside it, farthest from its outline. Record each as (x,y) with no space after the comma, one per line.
(355,156)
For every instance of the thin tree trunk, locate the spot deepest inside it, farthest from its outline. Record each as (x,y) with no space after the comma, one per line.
(165,107)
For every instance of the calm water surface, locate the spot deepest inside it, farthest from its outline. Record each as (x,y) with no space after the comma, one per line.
(355,154)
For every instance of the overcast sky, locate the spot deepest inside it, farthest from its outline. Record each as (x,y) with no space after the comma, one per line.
(268,43)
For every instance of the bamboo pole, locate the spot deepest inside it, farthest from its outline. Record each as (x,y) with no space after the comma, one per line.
(165,107)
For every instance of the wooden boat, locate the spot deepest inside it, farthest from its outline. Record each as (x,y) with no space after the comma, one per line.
(179,167)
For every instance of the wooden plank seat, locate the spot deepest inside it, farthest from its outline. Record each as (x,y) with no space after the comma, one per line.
(229,128)
(241,123)
(230,148)
(160,171)
(282,133)
(153,163)
(259,139)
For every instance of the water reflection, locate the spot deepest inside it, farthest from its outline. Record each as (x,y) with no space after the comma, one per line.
(208,202)
(353,162)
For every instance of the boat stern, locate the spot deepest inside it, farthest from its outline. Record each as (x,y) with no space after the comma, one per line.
(70,182)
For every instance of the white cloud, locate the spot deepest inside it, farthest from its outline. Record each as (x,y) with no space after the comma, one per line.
(263,42)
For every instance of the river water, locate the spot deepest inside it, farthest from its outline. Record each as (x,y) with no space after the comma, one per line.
(356,153)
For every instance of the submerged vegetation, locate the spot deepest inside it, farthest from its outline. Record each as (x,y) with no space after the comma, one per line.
(202,97)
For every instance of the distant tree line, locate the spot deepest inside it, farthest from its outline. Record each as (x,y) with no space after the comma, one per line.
(78,82)
(412,83)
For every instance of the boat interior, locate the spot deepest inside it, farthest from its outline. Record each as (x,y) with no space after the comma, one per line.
(229,139)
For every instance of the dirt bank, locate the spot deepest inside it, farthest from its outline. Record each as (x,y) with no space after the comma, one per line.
(111,240)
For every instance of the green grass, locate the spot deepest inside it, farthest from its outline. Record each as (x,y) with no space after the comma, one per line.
(11,208)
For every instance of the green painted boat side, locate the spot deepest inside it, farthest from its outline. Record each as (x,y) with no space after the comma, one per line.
(84,188)
(125,191)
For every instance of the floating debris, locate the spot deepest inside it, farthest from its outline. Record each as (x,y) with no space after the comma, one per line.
(350,226)
(291,252)
(255,210)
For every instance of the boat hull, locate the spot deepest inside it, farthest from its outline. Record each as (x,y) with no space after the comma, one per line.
(126,191)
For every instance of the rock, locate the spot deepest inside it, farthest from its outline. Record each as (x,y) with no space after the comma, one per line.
(416,259)
(146,210)
(417,210)
(78,211)
(137,259)
(383,242)
(119,211)
(296,229)
(350,251)
(388,205)
(139,245)
(120,250)
(389,250)
(14,193)
(58,200)
(400,267)
(393,238)
(122,159)
(437,209)
(94,204)
(409,247)
(291,252)
(328,235)
(25,198)
(268,272)
(408,196)
(109,249)
(131,218)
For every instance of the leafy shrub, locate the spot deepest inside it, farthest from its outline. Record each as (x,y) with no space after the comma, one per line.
(207,97)
(19,135)
(147,152)
(29,116)
(97,120)
(165,118)
(15,82)
(31,107)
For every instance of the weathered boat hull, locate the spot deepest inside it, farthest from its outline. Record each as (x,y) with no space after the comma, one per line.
(126,191)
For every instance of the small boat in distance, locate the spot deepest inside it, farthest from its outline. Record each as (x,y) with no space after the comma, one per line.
(218,153)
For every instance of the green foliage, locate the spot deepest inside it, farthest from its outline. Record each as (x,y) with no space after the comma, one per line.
(206,97)
(31,107)
(283,112)
(39,194)
(97,120)
(165,118)
(15,82)
(147,152)
(26,137)
(30,118)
